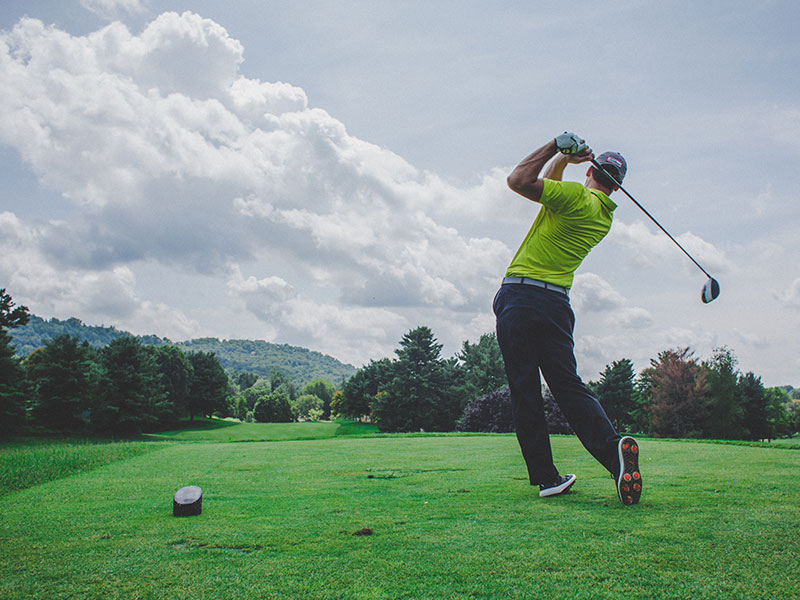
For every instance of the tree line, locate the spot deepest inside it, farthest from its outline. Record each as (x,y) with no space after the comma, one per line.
(128,387)
(676,396)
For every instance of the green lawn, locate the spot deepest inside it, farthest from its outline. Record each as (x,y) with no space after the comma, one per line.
(450,517)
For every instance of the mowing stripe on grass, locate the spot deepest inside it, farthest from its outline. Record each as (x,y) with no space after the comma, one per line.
(29,465)
(215,430)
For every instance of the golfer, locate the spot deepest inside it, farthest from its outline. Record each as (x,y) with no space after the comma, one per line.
(535,321)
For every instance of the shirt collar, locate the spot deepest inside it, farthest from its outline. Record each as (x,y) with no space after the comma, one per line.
(607,202)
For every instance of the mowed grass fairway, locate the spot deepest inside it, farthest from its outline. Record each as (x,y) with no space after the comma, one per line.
(450,517)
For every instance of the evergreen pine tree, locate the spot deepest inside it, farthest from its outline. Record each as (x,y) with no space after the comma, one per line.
(617,393)
(755,407)
(12,375)
(209,386)
(725,411)
(421,392)
(62,383)
(132,398)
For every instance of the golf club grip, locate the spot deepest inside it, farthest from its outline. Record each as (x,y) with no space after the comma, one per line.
(652,218)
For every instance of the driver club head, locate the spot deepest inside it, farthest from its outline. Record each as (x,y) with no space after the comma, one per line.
(710,290)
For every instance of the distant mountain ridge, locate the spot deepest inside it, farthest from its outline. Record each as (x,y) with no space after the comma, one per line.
(253,356)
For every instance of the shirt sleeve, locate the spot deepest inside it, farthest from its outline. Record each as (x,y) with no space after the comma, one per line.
(561,196)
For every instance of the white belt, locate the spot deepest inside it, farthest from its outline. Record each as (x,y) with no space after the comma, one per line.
(537,283)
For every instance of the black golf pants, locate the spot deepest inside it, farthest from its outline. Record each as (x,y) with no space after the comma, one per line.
(534,330)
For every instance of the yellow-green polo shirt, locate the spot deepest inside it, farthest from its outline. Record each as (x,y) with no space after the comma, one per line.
(573,219)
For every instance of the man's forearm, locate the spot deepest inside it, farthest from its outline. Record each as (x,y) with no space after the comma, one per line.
(555,168)
(524,179)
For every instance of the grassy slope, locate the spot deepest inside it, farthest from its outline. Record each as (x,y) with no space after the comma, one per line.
(452,517)
(29,463)
(229,431)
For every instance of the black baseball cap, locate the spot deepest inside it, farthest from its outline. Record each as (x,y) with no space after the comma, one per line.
(615,163)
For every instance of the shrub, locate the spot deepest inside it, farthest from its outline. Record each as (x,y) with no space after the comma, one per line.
(273,407)
(493,413)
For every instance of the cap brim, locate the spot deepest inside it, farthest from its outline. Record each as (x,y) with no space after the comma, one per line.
(612,170)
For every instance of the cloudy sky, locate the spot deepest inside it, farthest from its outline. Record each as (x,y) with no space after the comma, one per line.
(332,174)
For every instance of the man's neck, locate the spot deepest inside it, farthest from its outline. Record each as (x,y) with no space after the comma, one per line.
(593,185)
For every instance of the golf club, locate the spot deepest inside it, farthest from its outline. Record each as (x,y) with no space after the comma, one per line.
(711,287)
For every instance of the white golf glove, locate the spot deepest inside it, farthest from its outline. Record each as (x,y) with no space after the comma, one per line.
(570,143)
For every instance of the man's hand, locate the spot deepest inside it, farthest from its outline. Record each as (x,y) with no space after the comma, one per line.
(570,143)
(583,156)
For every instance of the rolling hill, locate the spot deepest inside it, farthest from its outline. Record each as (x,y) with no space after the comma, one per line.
(253,356)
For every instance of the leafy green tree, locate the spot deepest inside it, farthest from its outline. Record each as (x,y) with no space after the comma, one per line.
(253,394)
(235,406)
(360,391)
(63,383)
(793,416)
(273,407)
(675,388)
(421,393)
(245,380)
(323,389)
(337,402)
(781,412)
(177,374)
(131,398)
(305,404)
(280,379)
(724,405)
(209,384)
(482,368)
(617,393)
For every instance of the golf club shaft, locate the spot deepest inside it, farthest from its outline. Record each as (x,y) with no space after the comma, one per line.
(652,218)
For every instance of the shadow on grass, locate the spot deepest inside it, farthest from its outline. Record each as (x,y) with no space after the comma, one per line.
(197,424)
(350,428)
(202,423)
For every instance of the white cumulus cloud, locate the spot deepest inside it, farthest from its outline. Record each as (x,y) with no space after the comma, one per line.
(165,152)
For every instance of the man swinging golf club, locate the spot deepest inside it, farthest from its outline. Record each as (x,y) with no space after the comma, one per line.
(535,321)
